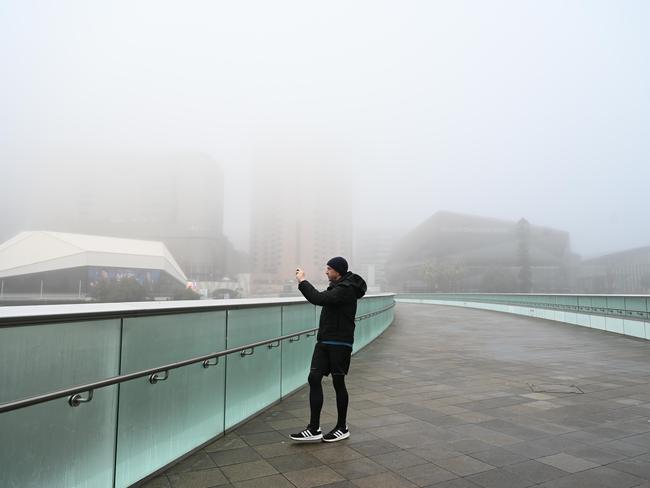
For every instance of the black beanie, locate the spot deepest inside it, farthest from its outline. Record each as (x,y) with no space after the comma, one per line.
(338,264)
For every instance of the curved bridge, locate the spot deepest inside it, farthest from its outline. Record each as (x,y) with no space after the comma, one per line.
(444,398)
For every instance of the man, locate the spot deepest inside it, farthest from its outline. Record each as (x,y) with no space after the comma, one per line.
(333,344)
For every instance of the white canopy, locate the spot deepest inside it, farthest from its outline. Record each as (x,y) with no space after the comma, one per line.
(40,251)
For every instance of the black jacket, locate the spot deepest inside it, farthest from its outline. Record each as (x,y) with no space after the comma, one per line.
(339,304)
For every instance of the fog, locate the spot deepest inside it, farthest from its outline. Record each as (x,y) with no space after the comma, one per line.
(505,109)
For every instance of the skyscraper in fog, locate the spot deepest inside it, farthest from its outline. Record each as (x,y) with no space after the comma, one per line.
(372,248)
(177,200)
(299,218)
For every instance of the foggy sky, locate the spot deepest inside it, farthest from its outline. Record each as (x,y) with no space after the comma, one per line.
(506,109)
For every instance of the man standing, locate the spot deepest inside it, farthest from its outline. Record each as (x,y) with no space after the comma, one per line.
(333,344)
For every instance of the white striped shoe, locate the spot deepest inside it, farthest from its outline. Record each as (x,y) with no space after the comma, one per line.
(307,435)
(338,434)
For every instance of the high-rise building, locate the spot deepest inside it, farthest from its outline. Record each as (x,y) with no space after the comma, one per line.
(372,248)
(298,219)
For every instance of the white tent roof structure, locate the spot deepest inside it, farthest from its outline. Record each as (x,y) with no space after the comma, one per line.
(40,251)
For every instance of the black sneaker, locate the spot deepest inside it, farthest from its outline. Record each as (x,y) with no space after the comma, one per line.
(308,435)
(338,434)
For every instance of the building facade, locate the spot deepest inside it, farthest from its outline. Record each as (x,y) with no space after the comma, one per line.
(456,252)
(296,220)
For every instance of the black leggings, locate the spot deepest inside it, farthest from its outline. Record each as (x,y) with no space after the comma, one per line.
(316,398)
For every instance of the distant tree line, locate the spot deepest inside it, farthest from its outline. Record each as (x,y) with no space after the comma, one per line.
(129,290)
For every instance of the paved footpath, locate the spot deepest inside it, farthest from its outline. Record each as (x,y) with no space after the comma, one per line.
(443,398)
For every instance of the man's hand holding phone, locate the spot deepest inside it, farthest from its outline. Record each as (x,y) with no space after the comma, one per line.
(300,275)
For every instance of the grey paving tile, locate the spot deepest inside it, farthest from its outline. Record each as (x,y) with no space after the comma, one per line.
(463,465)
(500,478)
(371,448)
(521,432)
(456,483)
(409,441)
(609,477)
(446,421)
(424,414)
(234,456)
(340,484)
(433,452)
(259,438)
(294,462)
(398,460)
(585,437)
(159,482)
(625,448)
(559,443)
(498,457)
(535,472)
(358,468)
(247,471)
(642,440)
(254,426)
(412,427)
(285,448)
(384,480)
(293,424)
(338,452)
(357,436)
(198,460)
(568,463)
(274,481)
(531,450)
(204,478)
(229,441)
(426,474)
(570,481)
(383,420)
(282,413)
(598,455)
(468,446)
(375,411)
(309,477)
(488,436)
(638,468)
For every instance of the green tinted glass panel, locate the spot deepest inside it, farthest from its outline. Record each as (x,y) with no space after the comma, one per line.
(636,304)
(54,444)
(599,302)
(253,380)
(160,422)
(584,301)
(297,351)
(617,303)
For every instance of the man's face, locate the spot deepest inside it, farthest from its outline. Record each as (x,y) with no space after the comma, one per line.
(332,274)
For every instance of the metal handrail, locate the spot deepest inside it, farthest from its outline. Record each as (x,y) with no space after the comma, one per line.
(72,392)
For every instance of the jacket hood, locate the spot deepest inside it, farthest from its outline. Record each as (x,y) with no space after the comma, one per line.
(355,281)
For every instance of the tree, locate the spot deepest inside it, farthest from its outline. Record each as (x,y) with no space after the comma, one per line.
(429,275)
(124,290)
(443,275)
(186,294)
